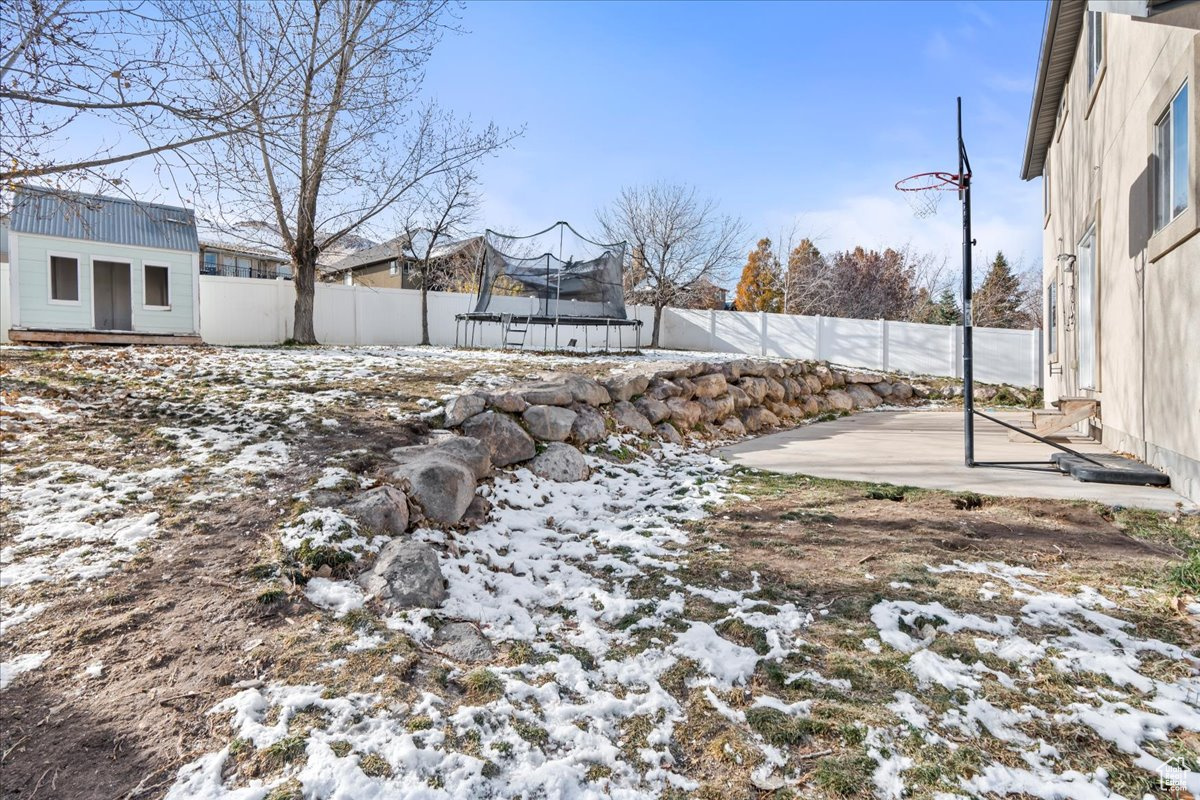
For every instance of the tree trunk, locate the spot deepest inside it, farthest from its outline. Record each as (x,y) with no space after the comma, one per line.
(657,325)
(304,276)
(424,311)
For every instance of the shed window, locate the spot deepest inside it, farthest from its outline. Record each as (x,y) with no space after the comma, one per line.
(157,286)
(64,279)
(1171,160)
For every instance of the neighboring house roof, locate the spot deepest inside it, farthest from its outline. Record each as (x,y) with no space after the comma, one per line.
(1060,40)
(96,218)
(246,239)
(397,247)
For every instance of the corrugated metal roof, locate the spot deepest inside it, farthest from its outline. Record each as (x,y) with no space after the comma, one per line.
(103,219)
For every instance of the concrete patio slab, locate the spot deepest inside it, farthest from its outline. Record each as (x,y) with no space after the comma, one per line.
(925,449)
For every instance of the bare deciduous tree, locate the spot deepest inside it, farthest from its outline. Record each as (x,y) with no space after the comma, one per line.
(676,241)
(74,74)
(443,211)
(338,133)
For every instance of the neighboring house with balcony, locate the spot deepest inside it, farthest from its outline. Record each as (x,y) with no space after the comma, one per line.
(89,268)
(392,265)
(1113,134)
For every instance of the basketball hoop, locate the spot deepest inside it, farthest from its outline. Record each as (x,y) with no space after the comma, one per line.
(924,191)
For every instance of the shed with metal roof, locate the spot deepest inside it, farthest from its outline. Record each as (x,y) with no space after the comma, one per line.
(90,268)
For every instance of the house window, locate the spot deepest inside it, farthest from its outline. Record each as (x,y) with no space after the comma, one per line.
(64,279)
(157,286)
(1095,45)
(349,279)
(1052,318)
(393,268)
(1171,160)
(210,263)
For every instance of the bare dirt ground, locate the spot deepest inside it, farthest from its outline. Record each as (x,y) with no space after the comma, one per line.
(171,624)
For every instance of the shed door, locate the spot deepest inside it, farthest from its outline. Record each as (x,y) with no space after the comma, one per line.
(112,295)
(1086,330)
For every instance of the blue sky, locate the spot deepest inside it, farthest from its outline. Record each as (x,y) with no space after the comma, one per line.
(781,111)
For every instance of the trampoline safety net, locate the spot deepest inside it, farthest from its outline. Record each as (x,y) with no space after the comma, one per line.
(563,273)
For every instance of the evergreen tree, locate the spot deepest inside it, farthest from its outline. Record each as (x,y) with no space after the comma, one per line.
(999,302)
(760,287)
(946,310)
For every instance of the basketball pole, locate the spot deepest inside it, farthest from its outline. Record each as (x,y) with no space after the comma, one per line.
(964,173)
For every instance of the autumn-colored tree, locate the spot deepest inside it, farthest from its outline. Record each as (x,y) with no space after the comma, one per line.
(760,288)
(1000,301)
(868,284)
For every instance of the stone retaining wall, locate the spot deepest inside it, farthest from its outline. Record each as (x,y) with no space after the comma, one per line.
(547,425)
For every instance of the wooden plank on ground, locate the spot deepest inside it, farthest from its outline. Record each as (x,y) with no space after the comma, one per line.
(24,336)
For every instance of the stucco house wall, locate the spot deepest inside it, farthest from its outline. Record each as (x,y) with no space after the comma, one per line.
(1099,171)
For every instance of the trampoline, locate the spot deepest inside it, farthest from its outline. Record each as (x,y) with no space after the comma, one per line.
(556,280)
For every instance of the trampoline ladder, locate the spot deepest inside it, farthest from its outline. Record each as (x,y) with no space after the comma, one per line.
(510,331)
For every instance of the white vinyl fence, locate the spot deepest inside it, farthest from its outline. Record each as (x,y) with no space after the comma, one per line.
(249,311)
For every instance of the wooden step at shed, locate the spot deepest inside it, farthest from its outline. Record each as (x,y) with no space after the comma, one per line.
(1068,411)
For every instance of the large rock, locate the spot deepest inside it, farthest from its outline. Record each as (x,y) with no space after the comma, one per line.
(442,486)
(626,415)
(716,409)
(383,509)
(756,418)
(684,413)
(814,384)
(510,402)
(740,398)
(687,389)
(755,389)
(733,427)
(405,575)
(663,389)
(588,426)
(883,389)
(654,410)
(863,396)
(811,406)
(862,376)
(794,390)
(668,433)
(462,641)
(549,423)
(901,392)
(468,450)
(711,385)
(548,394)
(625,386)
(507,441)
(585,390)
(460,409)
(560,462)
(839,400)
(775,391)
(824,375)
